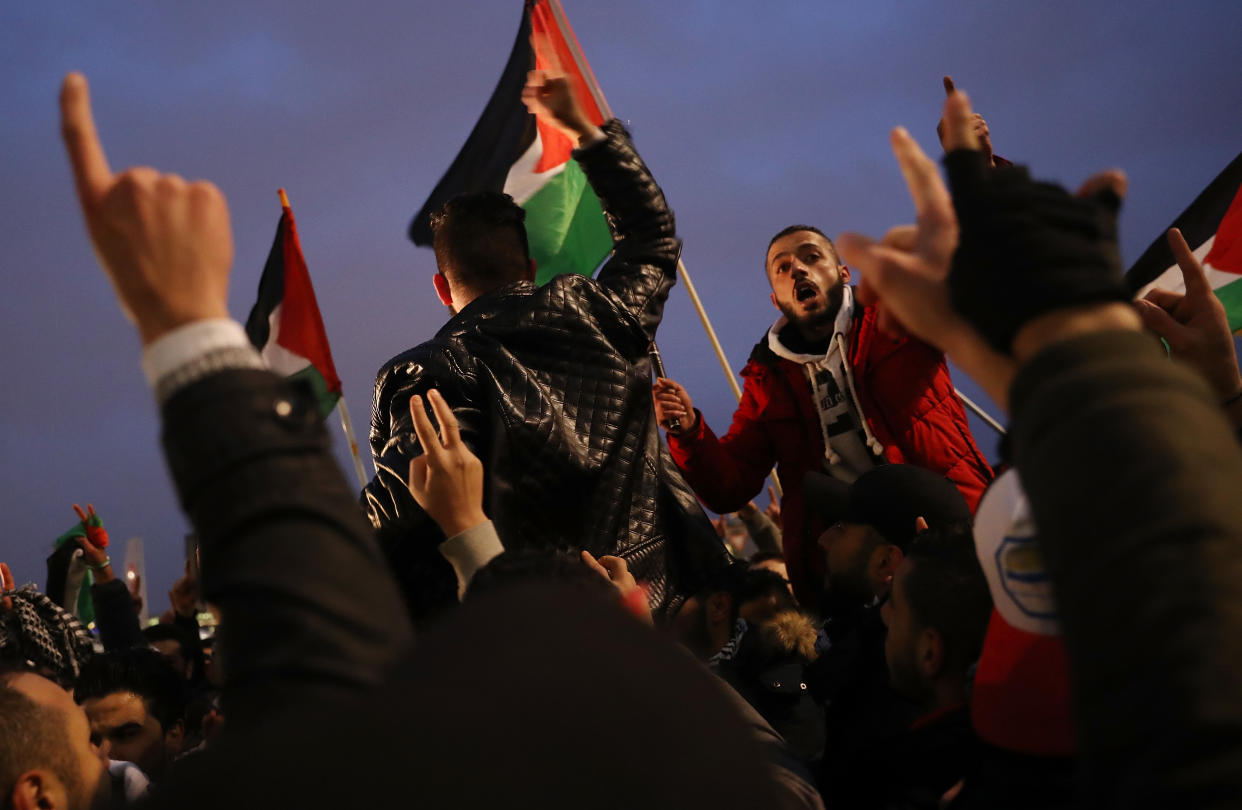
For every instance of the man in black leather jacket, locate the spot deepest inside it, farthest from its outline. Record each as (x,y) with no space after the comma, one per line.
(551,384)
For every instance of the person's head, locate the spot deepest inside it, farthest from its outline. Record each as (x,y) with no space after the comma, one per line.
(807,277)
(47,759)
(872,521)
(762,595)
(705,621)
(135,701)
(480,244)
(937,614)
(179,646)
(773,561)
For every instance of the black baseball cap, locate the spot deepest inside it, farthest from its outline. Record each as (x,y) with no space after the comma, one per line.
(888,498)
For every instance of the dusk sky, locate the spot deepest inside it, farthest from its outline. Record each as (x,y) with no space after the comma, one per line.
(752,116)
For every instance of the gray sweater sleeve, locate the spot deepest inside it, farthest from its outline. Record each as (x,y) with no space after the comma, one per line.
(1135,482)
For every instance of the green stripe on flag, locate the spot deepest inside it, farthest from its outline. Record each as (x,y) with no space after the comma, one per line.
(326,399)
(1231,296)
(566,226)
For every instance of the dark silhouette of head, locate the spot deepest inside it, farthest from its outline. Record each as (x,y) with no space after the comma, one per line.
(480,242)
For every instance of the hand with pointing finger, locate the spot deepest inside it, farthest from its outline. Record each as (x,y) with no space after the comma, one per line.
(165,244)
(447,479)
(1194,324)
(977,125)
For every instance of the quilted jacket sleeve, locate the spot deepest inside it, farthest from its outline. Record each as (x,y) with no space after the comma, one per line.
(645,251)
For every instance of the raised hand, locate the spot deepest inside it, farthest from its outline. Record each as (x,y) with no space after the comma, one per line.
(1194,323)
(95,531)
(93,544)
(165,244)
(551,98)
(978,127)
(673,402)
(773,509)
(447,479)
(6,584)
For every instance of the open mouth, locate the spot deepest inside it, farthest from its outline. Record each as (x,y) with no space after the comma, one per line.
(804,291)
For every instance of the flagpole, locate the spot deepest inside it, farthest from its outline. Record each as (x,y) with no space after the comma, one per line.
(597,94)
(348,426)
(982,414)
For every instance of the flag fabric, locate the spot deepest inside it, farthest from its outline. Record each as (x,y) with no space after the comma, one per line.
(509,150)
(285,325)
(1212,226)
(68,579)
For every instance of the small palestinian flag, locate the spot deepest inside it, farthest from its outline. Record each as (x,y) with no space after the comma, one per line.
(285,325)
(1212,226)
(68,579)
(509,150)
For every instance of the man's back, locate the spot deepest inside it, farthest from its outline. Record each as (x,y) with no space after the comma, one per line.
(551,386)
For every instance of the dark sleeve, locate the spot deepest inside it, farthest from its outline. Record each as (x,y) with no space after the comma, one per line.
(1135,483)
(309,608)
(115,618)
(645,245)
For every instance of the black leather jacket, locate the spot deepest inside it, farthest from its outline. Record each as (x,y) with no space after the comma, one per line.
(552,386)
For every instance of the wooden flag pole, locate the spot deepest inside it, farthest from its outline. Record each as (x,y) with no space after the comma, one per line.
(348,426)
(598,95)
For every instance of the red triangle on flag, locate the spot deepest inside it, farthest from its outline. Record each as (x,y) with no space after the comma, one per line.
(1226,252)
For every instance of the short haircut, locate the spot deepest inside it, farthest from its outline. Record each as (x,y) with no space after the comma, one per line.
(142,671)
(480,240)
(191,646)
(783,232)
(34,736)
(947,591)
(760,583)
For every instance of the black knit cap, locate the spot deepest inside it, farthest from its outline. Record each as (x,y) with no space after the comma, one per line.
(888,498)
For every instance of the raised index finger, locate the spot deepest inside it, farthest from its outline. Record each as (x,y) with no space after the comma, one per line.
(450,432)
(1192,271)
(423,428)
(77,126)
(948,85)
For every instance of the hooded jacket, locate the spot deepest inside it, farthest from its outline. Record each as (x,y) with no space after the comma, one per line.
(911,415)
(552,387)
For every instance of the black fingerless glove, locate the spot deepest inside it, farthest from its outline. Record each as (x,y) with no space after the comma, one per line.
(1027,247)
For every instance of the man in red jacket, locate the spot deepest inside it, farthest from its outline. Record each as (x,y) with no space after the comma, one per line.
(826,389)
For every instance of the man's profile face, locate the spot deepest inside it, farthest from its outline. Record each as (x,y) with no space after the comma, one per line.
(901,642)
(847,555)
(93,786)
(807,280)
(122,720)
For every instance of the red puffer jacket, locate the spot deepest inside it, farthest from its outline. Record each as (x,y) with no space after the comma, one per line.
(906,396)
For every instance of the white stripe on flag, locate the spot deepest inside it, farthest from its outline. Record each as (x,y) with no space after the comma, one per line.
(278,358)
(1171,279)
(522,181)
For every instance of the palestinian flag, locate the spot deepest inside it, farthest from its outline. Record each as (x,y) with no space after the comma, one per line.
(285,325)
(1212,226)
(509,150)
(68,579)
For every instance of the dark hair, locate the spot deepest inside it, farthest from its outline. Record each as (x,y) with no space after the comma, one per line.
(760,583)
(142,671)
(947,591)
(783,232)
(191,646)
(34,736)
(765,556)
(480,239)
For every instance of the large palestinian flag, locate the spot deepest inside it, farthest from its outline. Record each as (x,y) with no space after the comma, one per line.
(1212,226)
(509,150)
(285,325)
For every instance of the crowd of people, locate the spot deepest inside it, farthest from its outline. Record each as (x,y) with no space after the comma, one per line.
(528,606)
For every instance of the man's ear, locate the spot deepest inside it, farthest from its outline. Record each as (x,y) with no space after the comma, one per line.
(442,289)
(920,524)
(930,653)
(39,790)
(884,562)
(845,274)
(774,303)
(174,738)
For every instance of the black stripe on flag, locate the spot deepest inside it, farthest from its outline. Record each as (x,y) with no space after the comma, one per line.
(271,289)
(1198,223)
(504,131)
